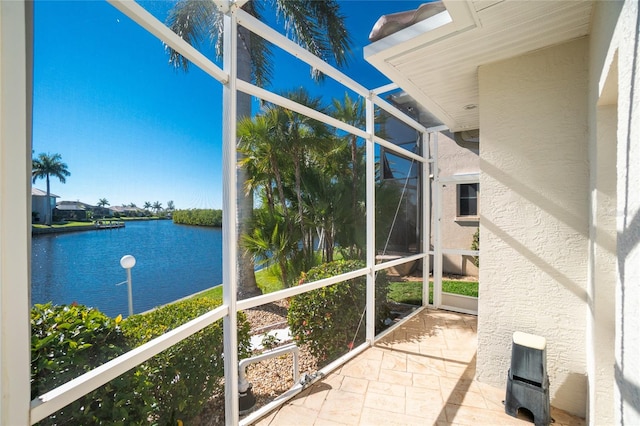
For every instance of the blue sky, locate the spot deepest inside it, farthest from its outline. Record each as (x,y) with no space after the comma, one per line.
(129,126)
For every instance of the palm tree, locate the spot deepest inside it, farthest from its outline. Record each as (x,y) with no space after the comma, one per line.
(318,26)
(103,202)
(157,206)
(44,166)
(170,205)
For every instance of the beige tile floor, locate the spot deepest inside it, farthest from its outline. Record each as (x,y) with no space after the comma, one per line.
(420,374)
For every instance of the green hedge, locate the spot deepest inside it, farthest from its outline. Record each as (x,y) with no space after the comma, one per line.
(200,217)
(67,341)
(327,319)
(189,373)
(175,384)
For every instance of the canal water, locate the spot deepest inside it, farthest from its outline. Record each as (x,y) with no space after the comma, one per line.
(172,261)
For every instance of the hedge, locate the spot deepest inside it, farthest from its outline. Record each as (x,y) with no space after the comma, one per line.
(331,319)
(69,340)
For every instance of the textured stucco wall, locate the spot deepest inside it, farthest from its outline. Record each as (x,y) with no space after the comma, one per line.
(601,277)
(627,368)
(534,217)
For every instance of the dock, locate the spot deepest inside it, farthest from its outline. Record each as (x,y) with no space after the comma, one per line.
(109,224)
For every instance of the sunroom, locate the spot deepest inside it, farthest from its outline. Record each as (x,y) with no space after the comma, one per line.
(552,88)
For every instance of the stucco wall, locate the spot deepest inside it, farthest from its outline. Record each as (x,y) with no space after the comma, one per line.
(534,216)
(456,234)
(601,275)
(627,367)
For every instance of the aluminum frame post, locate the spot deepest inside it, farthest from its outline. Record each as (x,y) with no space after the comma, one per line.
(371,219)
(229,261)
(426,216)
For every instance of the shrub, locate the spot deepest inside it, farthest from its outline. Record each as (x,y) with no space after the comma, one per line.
(199,217)
(189,373)
(327,318)
(67,341)
(475,245)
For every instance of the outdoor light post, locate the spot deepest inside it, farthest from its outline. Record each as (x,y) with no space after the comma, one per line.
(128,262)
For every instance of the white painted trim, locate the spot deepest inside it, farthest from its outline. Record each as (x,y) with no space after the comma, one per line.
(15,209)
(386,88)
(462,252)
(459,179)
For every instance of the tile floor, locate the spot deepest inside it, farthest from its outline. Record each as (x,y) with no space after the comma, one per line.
(420,374)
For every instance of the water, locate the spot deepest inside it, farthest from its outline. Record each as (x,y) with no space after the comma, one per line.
(172,261)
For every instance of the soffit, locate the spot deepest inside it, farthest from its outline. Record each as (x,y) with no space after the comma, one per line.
(436,61)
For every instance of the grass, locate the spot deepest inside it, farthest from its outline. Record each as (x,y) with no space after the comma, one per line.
(410,292)
(213,293)
(268,281)
(64,225)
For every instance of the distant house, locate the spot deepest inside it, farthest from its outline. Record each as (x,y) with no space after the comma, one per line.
(39,210)
(71,210)
(127,211)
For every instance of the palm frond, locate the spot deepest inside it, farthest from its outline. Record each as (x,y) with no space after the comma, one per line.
(191,20)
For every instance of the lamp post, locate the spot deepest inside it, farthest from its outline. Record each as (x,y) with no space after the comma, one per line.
(128,262)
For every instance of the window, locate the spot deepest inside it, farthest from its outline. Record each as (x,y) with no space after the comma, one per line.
(468,200)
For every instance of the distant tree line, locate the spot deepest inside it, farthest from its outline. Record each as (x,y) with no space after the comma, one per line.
(199,217)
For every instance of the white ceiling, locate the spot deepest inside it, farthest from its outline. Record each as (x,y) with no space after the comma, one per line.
(436,60)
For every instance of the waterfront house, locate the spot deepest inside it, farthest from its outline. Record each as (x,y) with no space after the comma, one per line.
(39,204)
(554,89)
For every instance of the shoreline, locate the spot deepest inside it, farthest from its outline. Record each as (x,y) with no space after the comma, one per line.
(91,227)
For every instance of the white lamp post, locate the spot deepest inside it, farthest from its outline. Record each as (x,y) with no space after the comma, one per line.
(128,262)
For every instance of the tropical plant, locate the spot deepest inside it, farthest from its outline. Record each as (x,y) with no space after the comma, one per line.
(147,205)
(43,167)
(170,206)
(353,112)
(103,202)
(157,206)
(269,241)
(475,245)
(316,25)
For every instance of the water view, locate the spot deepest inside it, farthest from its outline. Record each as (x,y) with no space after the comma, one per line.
(172,261)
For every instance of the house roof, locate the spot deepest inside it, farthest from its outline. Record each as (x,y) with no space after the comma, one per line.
(40,193)
(76,203)
(435,60)
(71,207)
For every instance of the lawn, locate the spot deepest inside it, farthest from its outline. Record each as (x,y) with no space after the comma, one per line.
(63,225)
(409,292)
